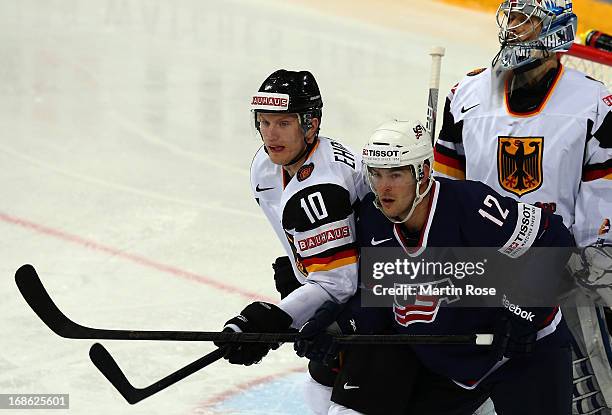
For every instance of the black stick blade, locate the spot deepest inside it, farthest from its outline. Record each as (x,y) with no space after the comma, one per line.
(38,299)
(105,363)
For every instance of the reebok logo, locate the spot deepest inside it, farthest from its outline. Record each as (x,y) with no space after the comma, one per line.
(513,308)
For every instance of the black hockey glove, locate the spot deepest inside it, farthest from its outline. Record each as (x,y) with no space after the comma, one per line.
(284,278)
(315,339)
(513,337)
(257,317)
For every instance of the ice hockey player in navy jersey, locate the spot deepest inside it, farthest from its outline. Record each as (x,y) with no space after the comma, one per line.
(528,369)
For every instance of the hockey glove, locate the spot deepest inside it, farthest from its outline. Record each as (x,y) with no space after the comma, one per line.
(257,317)
(315,339)
(284,277)
(513,337)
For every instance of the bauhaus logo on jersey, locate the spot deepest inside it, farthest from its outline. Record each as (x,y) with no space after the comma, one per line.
(324,237)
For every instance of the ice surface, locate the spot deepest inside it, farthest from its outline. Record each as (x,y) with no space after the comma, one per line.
(124,151)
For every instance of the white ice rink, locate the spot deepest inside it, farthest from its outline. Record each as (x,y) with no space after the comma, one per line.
(124,153)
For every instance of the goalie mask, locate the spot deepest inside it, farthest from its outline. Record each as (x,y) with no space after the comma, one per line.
(289,92)
(399,144)
(530,30)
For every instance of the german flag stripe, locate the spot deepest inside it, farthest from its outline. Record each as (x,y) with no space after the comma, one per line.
(597,171)
(340,254)
(338,260)
(448,157)
(449,164)
(449,171)
(332,265)
(597,174)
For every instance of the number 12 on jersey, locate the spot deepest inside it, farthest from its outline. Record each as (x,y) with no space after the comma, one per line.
(489,202)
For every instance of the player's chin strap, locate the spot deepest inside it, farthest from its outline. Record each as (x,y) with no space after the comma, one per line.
(305,121)
(303,153)
(418,198)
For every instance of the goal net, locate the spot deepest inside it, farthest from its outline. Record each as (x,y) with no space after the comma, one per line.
(596,63)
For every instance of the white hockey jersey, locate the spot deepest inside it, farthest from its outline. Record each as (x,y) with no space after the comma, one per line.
(558,157)
(313,215)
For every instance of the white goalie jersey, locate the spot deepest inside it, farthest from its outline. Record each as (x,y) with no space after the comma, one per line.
(558,157)
(313,214)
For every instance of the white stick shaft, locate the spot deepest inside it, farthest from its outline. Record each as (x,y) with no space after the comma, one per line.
(434,86)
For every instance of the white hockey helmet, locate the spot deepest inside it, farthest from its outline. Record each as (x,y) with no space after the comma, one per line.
(399,144)
(553,19)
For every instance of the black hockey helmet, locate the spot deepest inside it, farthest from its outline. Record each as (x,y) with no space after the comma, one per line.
(289,92)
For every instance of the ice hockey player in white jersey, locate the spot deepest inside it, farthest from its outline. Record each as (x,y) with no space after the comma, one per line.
(537,131)
(308,187)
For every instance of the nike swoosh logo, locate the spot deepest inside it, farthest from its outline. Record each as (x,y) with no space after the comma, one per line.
(374,243)
(262,189)
(347,386)
(464,110)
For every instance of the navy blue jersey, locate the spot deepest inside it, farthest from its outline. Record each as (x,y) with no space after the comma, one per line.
(464,214)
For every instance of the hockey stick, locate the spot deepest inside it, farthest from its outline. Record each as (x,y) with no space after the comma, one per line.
(38,299)
(105,363)
(434,86)
(36,296)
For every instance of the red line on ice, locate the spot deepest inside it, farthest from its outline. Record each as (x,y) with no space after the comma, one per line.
(140,260)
